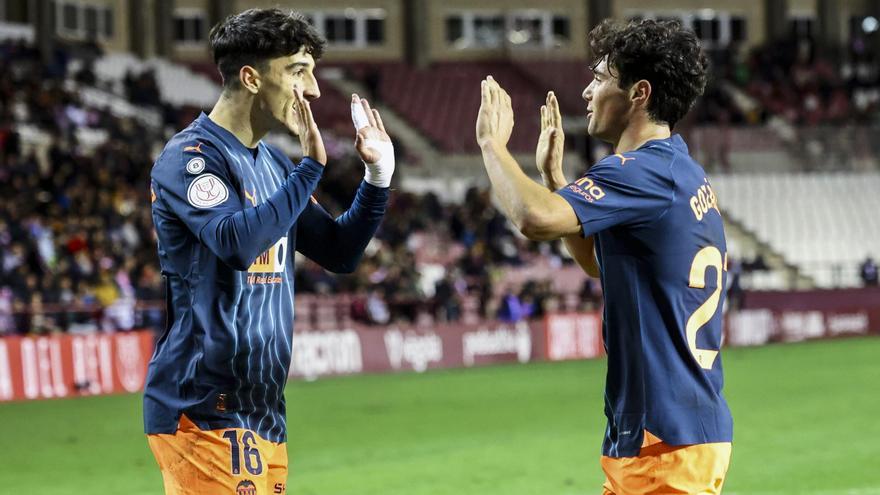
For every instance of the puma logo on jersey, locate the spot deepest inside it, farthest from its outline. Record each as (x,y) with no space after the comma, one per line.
(197,148)
(251,197)
(623,159)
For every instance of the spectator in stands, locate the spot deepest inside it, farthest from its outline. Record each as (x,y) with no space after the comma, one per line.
(513,309)
(868,272)
(735,291)
(447,299)
(756,265)
(7,317)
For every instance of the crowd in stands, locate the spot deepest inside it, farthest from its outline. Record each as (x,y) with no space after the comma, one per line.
(77,248)
(75,232)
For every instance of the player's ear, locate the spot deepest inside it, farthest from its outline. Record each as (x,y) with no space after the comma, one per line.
(640,92)
(249,77)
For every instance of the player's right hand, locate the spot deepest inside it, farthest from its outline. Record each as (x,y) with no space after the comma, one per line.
(301,122)
(372,143)
(548,155)
(495,118)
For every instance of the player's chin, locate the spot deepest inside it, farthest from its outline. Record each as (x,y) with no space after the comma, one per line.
(591,128)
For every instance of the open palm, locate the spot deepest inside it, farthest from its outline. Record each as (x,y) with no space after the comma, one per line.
(548,155)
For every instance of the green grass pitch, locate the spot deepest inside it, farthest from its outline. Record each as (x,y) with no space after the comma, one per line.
(806,421)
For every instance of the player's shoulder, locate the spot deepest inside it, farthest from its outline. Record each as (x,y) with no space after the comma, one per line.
(192,150)
(651,161)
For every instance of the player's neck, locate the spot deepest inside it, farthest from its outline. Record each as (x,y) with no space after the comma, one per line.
(639,133)
(236,115)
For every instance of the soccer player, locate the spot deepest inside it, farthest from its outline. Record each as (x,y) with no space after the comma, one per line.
(229,210)
(645,220)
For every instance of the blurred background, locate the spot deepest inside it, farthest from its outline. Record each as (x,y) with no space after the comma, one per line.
(90,91)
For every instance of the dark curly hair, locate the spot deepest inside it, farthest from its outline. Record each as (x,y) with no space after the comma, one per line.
(662,52)
(254,36)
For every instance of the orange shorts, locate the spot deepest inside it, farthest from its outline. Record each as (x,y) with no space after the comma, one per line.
(660,468)
(231,461)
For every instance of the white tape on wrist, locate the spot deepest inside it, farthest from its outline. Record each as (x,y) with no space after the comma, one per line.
(379,173)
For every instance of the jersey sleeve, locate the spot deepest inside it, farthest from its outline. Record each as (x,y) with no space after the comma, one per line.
(338,244)
(198,188)
(619,190)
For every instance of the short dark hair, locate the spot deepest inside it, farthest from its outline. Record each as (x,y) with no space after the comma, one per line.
(254,36)
(662,52)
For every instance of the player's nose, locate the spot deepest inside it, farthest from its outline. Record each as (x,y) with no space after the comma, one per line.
(587,95)
(312,94)
(311,91)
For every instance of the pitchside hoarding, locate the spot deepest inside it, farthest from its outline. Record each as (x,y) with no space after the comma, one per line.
(61,366)
(366,349)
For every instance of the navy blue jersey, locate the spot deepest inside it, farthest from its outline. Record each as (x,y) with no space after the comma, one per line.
(661,250)
(228,219)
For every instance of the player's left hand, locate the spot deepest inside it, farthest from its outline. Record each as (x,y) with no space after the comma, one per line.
(372,143)
(300,121)
(548,155)
(495,119)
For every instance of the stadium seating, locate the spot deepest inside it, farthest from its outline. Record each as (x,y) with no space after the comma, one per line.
(566,78)
(442,101)
(178,85)
(824,223)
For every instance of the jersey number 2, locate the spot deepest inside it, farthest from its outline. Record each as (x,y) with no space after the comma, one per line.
(707,257)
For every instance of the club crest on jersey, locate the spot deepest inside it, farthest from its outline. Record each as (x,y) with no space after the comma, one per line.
(196,165)
(207,191)
(246,487)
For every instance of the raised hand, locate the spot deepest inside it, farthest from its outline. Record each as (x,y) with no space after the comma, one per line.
(495,118)
(372,142)
(548,155)
(301,122)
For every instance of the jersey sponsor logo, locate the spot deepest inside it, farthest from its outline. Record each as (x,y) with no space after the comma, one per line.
(280,488)
(703,201)
(623,159)
(196,165)
(272,261)
(197,148)
(207,191)
(586,188)
(246,487)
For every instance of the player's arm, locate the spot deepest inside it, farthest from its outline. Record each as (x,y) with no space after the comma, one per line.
(548,157)
(210,205)
(338,244)
(538,213)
